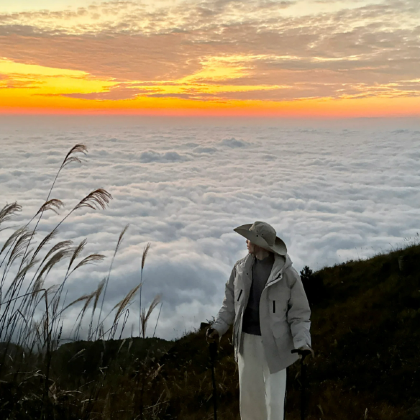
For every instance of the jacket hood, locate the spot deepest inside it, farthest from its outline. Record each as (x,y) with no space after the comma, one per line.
(288,262)
(281,263)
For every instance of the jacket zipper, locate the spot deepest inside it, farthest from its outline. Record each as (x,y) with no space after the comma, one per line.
(278,278)
(240,293)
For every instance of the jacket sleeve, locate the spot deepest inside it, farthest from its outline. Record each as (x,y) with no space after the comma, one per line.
(299,313)
(226,314)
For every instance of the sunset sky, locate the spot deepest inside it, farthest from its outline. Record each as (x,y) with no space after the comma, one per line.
(215,57)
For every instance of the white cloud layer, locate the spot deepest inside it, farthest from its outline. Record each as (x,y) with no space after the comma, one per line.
(331,193)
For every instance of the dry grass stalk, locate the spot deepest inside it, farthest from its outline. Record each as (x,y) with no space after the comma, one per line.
(109,274)
(79,148)
(62,250)
(130,344)
(18,250)
(145,252)
(120,238)
(157,320)
(44,242)
(13,286)
(55,259)
(26,256)
(37,286)
(76,355)
(95,200)
(89,260)
(143,262)
(55,301)
(126,316)
(52,204)
(98,292)
(8,211)
(125,302)
(79,299)
(146,315)
(88,299)
(76,253)
(95,302)
(12,238)
(121,345)
(57,247)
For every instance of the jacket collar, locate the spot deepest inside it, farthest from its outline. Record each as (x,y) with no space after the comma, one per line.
(280,264)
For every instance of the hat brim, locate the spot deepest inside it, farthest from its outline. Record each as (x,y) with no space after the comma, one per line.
(279,246)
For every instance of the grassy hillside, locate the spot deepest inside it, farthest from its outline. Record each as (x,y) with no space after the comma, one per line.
(365,332)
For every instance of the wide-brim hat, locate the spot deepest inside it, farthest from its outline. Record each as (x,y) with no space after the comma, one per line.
(263,235)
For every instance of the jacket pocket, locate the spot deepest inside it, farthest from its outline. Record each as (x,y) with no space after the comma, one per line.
(274,306)
(240,293)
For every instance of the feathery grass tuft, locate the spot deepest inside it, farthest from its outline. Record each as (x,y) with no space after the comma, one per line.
(44,242)
(90,259)
(70,158)
(95,200)
(120,238)
(143,263)
(79,299)
(76,253)
(145,252)
(57,247)
(52,204)
(12,238)
(146,315)
(8,211)
(125,302)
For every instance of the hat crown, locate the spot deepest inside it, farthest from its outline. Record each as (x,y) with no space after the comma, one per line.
(265,231)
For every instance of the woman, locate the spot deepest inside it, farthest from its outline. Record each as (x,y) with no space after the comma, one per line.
(267,305)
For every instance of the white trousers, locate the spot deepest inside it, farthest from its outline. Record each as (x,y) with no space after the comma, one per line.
(261,394)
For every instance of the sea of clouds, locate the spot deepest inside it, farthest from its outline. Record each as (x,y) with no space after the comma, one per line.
(333,193)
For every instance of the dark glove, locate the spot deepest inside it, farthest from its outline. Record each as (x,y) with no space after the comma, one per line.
(212,335)
(304,350)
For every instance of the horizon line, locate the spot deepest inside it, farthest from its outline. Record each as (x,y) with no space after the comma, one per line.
(183,115)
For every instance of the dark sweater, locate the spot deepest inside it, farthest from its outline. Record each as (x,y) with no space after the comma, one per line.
(261,271)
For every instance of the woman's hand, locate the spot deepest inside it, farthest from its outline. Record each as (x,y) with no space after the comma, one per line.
(212,335)
(306,347)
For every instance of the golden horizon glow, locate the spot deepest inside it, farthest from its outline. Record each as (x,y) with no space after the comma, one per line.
(43,89)
(102,58)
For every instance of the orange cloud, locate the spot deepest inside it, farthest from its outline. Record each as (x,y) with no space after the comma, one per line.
(122,57)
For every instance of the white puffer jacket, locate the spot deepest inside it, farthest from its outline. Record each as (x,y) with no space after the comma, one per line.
(284,311)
